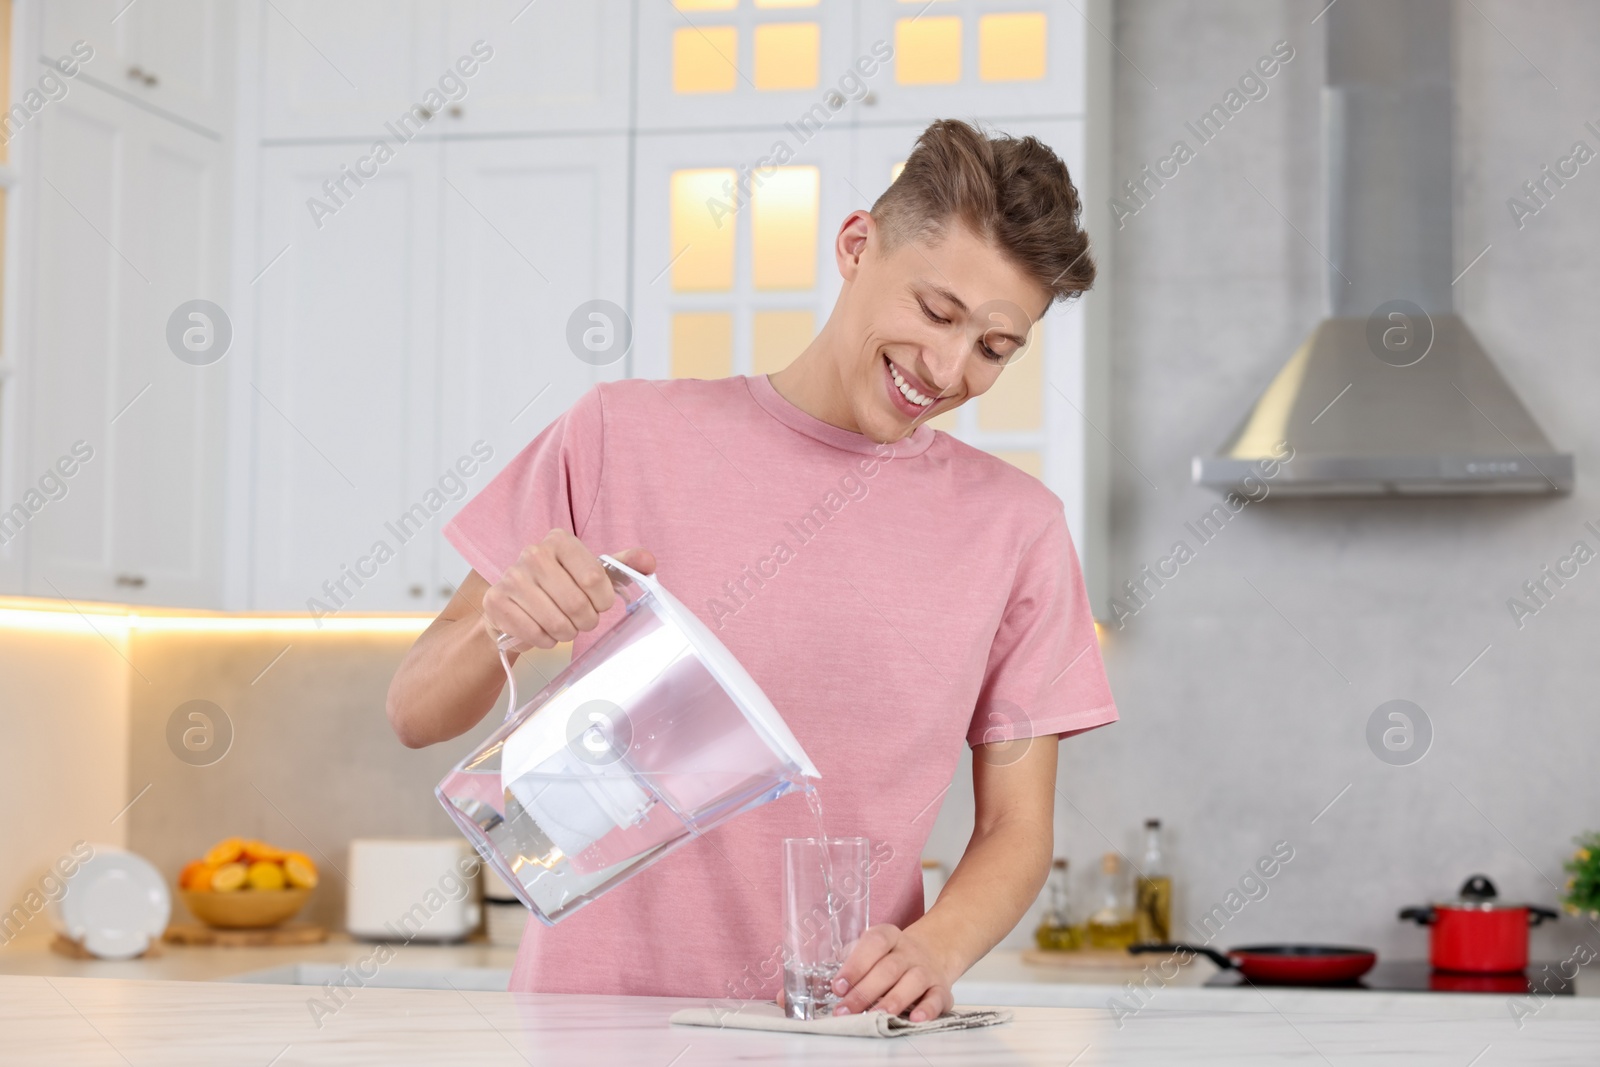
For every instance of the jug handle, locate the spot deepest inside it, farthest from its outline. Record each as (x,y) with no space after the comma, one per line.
(621,576)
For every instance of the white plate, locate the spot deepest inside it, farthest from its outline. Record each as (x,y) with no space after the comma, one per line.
(115,905)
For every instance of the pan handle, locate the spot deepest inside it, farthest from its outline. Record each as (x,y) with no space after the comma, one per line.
(1194,950)
(1423,916)
(1537,914)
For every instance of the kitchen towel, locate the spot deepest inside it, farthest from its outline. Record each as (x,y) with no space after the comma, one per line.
(764,1015)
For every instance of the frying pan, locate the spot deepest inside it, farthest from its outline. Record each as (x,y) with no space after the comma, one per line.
(1282,964)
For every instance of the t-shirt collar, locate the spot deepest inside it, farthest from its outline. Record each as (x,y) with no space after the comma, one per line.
(774,403)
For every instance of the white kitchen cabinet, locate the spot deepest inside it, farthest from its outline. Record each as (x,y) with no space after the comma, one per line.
(532,229)
(427,315)
(171,55)
(342,380)
(344,69)
(129,223)
(991,58)
(657,298)
(748,65)
(555,66)
(496,66)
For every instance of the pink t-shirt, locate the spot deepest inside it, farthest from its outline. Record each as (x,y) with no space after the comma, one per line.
(893,601)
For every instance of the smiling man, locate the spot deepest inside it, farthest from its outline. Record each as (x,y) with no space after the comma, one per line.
(894,591)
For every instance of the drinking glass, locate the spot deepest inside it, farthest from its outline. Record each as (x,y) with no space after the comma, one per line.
(825,904)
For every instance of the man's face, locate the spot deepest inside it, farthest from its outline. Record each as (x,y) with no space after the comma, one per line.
(937,321)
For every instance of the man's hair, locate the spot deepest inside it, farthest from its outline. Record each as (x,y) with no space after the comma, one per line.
(1013,192)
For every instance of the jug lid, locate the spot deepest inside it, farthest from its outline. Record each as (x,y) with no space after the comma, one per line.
(728,671)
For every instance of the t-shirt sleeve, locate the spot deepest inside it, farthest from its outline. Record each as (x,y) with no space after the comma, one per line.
(551,484)
(1044,675)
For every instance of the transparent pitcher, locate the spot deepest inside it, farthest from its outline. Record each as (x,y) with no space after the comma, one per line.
(654,735)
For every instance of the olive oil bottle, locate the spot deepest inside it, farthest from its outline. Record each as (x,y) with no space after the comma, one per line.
(1152,906)
(1112,924)
(1056,932)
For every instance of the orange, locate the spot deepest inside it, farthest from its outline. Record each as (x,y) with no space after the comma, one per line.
(225,851)
(260,850)
(264,874)
(229,876)
(299,869)
(196,875)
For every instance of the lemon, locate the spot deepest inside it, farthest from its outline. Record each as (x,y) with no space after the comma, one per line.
(229,876)
(301,872)
(264,874)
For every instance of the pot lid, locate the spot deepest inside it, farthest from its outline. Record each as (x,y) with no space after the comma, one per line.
(1477,894)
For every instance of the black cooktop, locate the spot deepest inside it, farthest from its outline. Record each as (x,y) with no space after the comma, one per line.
(1415,976)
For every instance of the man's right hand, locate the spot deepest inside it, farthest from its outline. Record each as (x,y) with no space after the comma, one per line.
(555,590)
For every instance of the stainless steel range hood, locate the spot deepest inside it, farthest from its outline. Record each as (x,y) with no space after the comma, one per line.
(1391,393)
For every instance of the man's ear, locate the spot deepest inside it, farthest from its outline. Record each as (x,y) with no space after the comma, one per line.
(850,247)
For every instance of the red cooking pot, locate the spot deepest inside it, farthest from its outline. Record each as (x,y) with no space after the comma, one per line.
(1476,933)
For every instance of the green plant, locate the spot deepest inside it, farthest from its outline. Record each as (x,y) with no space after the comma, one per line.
(1583,888)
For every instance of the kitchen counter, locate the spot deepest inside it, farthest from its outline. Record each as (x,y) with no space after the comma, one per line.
(95,1021)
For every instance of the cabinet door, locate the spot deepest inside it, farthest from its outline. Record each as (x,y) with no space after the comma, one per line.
(170,54)
(994,58)
(553,66)
(347,69)
(533,230)
(734,275)
(344,414)
(131,225)
(705,64)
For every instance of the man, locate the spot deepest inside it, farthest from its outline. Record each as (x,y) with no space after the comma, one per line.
(892,590)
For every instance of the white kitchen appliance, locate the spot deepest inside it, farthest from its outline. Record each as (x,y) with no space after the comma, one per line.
(413,888)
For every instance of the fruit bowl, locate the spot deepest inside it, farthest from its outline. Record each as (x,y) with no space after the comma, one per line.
(250,909)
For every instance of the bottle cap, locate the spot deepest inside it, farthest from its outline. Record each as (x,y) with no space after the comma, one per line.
(1059,863)
(1152,824)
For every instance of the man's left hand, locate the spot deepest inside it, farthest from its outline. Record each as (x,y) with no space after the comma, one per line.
(892,970)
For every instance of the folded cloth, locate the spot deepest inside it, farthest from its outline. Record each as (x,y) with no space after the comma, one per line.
(764,1015)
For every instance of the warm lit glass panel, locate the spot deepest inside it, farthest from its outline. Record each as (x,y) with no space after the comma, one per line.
(702,344)
(1011,47)
(1023,459)
(702,240)
(783,228)
(787,55)
(1016,400)
(706,5)
(927,50)
(776,337)
(786,3)
(894,171)
(704,59)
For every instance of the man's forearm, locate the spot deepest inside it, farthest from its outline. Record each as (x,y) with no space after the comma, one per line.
(998,878)
(446,684)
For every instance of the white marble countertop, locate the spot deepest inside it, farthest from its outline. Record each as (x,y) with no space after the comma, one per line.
(94,1021)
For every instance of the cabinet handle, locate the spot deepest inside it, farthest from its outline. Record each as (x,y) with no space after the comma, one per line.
(870,99)
(447,590)
(136,74)
(457,111)
(416,590)
(130,581)
(150,80)
(425,113)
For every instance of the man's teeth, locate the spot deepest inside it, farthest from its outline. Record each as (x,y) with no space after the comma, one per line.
(908,392)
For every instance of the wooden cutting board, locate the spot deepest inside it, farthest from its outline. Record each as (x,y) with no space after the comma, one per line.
(62,945)
(292,934)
